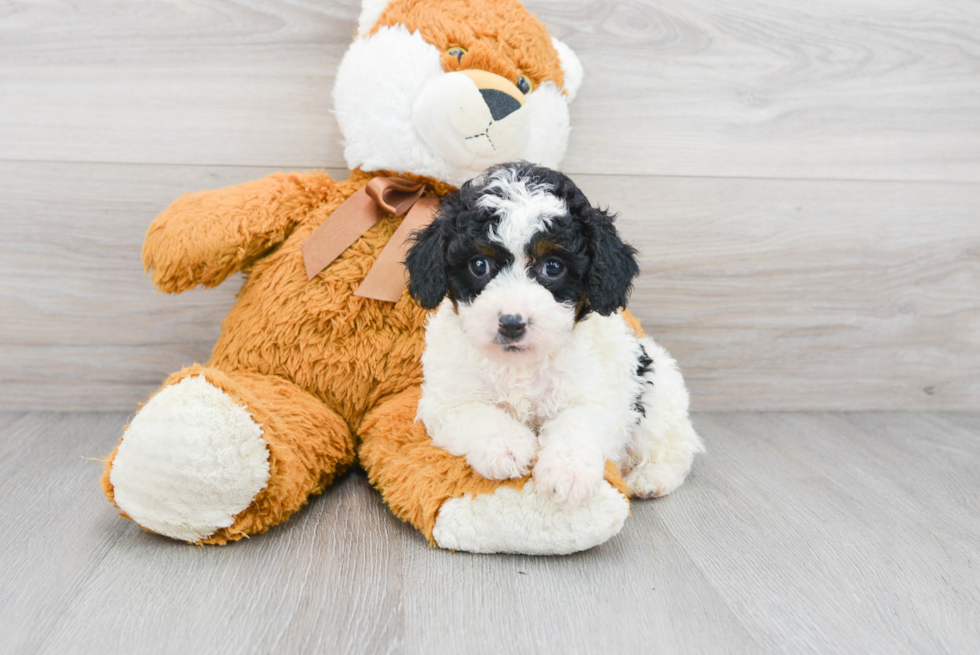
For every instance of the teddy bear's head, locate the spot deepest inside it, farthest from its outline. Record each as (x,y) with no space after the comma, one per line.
(447,88)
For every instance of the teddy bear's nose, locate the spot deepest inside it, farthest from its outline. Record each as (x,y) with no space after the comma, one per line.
(500,95)
(500,104)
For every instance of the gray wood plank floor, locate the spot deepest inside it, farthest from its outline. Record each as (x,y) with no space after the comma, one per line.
(803,533)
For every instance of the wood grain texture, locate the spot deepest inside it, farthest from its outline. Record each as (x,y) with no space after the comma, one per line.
(803,533)
(771,294)
(818,528)
(843,89)
(779,294)
(96,583)
(82,326)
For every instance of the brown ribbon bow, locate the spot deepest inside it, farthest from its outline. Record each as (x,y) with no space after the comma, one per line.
(382,196)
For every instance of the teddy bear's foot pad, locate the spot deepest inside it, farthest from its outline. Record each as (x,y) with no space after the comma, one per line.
(189,462)
(522,521)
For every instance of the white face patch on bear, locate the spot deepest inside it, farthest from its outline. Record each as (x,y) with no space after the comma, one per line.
(453,118)
(395,109)
(377,83)
(547,110)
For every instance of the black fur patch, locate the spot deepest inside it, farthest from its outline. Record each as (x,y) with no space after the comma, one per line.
(644,365)
(562,241)
(464,285)
(426,264)
(438,262)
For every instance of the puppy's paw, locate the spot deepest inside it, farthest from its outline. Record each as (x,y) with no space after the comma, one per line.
(569,479)
(504,456)
(656,480)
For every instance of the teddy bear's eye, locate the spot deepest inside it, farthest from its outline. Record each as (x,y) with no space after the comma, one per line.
(456,52)
(524,84)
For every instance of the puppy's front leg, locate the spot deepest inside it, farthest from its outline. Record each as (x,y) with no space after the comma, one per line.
(496,445)
(574,448)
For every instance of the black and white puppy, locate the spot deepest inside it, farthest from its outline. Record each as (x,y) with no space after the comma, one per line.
(528,360)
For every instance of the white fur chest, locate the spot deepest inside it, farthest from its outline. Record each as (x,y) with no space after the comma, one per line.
(594,366)
(531,395)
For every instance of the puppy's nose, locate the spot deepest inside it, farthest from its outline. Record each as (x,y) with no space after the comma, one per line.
(512,326)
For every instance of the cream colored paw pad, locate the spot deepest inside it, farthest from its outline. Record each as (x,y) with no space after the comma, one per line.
(190,461)
(523,521)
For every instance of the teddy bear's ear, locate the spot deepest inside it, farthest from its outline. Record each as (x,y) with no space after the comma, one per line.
(371,11)
(570,66)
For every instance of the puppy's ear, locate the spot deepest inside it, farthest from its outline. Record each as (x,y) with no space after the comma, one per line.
(613,265)
(426,264)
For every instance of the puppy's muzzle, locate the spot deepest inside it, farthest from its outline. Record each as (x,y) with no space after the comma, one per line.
(511,328)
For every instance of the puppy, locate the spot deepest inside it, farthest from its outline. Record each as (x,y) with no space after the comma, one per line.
(528,360)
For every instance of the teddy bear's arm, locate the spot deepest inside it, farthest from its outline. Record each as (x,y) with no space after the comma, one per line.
(204,237)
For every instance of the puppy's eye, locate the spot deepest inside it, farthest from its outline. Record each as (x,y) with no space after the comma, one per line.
(524,84)
(456,52)
(480,266)
(553,268)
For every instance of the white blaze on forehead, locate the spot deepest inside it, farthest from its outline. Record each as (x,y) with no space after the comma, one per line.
(524,207)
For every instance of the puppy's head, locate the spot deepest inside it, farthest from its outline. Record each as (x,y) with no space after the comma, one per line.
(523,256)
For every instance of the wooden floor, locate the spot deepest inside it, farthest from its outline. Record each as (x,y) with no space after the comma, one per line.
(799,533)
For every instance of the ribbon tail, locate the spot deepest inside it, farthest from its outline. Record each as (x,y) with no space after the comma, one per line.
(341,229)
(388,278)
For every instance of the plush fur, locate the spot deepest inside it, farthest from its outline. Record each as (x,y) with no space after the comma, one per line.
(328,377)
(512,521)
(164,472)
(528,361)
(404,103)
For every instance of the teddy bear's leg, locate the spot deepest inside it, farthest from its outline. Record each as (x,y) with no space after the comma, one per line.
(664,442)
(215,456)
(456,508)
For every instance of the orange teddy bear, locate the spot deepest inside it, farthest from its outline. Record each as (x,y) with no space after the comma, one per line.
(309,376)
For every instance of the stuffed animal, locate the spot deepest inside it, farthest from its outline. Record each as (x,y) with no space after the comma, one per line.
(318,362)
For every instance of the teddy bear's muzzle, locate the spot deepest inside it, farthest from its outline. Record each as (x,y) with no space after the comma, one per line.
(472,118)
